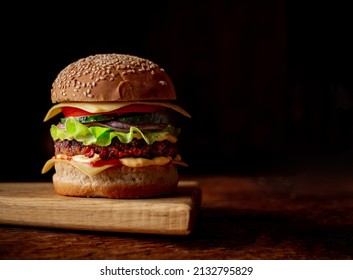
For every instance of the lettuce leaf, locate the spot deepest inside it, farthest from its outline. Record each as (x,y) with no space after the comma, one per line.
(102,136)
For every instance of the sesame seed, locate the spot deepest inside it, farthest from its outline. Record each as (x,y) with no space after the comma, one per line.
(97,68)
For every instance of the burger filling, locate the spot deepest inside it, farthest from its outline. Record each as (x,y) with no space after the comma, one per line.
(113,138)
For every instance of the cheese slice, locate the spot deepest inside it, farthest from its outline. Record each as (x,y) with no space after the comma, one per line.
(89,170)
(103,107)
(85,168)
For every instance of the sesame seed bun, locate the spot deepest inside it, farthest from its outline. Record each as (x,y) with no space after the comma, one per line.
(112,77)
(116,182)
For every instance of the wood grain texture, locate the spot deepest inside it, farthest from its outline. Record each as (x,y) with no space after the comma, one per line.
(241,217)
(36,204)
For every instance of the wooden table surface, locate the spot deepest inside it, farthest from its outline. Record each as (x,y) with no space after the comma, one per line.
(292,216)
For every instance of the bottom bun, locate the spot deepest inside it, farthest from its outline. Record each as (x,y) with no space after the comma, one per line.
(116,182)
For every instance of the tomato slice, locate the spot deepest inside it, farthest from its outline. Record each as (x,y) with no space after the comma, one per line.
(100,163)
(74,112)
(135,108)
(138,108)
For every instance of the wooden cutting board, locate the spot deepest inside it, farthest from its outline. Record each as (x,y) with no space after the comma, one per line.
(36,204)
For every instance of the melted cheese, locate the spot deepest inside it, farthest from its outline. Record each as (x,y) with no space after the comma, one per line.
(169,138)
(142,162)
(83,163)
(102,107)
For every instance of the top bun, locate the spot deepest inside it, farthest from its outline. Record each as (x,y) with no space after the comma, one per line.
(112,77)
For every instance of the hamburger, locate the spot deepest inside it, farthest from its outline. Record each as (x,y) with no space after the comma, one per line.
(118,131)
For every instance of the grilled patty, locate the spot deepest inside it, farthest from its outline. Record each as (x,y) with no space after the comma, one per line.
(136,148)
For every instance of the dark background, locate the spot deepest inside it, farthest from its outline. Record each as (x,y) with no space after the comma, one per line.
(268,83)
